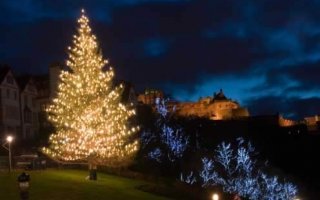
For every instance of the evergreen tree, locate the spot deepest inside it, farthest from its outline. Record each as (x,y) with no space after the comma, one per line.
(90,121)
(237,172)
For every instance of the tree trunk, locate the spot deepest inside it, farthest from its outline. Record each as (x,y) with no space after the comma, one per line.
(92,171)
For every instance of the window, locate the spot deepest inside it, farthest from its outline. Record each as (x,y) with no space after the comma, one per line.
(8,93)
(15,95)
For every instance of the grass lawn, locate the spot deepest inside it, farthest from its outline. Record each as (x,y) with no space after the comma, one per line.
(71,184)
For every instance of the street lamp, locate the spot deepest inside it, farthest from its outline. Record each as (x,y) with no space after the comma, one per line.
(9,139)
(215,196)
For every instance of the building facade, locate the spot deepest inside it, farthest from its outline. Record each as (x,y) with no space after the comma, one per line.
(29,108)
(23,101)
(312,123)
(10,122)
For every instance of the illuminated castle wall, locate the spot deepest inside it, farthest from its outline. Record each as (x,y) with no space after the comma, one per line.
(149,96)
(217,107)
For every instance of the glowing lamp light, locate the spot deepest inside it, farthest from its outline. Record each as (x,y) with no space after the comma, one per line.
(9,138)
(215,196)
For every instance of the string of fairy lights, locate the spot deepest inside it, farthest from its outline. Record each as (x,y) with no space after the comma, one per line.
(91,122)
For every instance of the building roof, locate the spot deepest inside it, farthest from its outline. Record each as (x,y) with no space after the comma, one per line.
(219,96)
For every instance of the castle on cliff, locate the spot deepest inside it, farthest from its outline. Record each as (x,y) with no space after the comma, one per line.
(217,107)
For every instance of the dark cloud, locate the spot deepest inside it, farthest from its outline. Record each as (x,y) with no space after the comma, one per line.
(307,74)
(289,107)
(256,50)
(297,78)
(33,51)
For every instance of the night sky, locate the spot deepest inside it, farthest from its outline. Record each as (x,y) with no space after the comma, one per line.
(264,54)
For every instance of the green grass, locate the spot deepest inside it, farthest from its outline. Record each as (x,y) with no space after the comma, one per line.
(72,185)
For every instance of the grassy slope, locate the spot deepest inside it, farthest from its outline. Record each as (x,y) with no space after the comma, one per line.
(71,185)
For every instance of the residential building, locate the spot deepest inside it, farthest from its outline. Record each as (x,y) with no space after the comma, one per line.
(29,108)
(10,122)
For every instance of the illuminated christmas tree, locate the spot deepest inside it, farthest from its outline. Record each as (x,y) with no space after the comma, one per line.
(90,121)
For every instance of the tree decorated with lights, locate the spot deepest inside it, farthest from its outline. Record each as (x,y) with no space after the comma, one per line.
(91,122)
(237,172)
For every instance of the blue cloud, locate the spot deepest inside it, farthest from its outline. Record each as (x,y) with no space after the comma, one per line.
(155,47)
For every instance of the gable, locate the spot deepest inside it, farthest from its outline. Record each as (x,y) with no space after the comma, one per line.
(8,80)
(30,88)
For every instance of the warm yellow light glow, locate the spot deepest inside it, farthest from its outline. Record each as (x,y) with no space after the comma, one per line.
(91,122)
(9,138)
(215,196)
